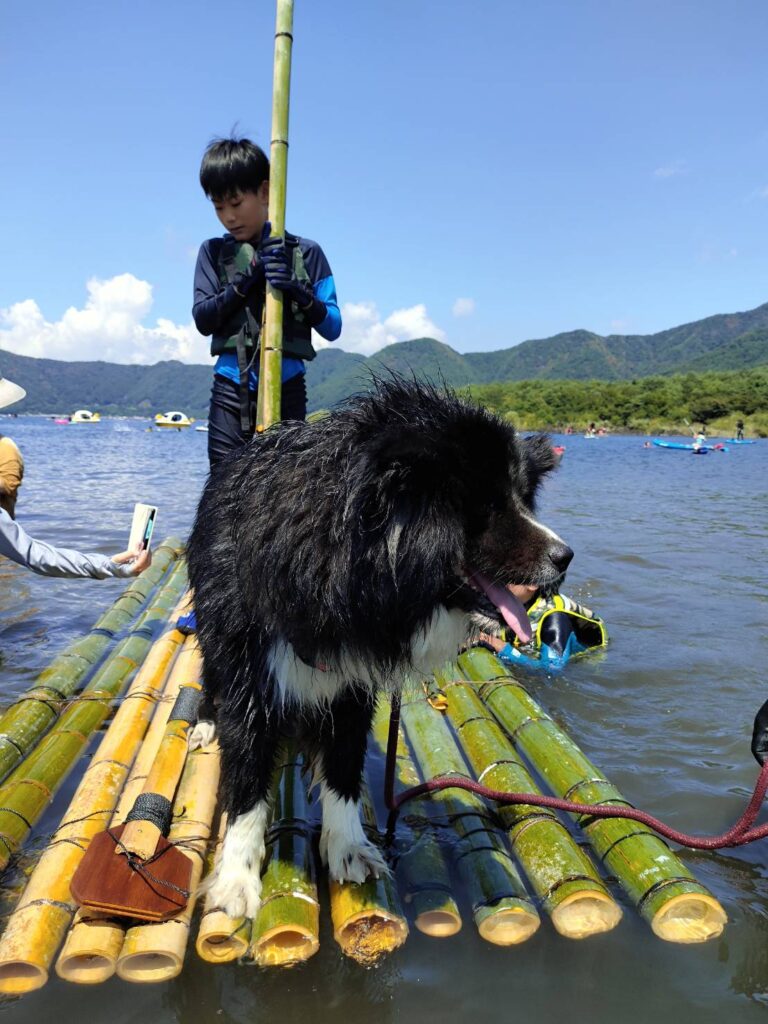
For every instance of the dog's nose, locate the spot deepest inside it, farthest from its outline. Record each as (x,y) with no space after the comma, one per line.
(560,555)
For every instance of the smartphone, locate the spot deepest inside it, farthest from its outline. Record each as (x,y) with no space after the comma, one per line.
(142,525)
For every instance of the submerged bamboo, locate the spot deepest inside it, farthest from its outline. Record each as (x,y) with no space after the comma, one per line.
(220,938)
(368,921)
(272,338)
(503,913)
(155,952)
(24,722)
(559,872)
(91,949)
(678,908)
(422,871)
(46,908)
(286,928)
(27,792)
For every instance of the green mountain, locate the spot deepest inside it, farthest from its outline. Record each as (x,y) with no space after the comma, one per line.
(734,341)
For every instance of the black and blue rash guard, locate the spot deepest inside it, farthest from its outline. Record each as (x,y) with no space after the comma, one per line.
(215,302)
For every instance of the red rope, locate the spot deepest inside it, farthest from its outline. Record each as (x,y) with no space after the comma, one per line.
(738,835)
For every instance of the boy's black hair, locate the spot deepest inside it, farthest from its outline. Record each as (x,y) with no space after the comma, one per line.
(233,165)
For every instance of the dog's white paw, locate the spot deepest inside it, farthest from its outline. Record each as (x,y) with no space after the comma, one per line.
(236,892)
(202,735)
(351,861)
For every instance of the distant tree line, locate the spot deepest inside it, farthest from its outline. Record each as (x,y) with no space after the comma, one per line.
(644,404)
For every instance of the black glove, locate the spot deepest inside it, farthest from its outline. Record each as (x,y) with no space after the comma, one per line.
(246,280)
(760,734)
(279,272)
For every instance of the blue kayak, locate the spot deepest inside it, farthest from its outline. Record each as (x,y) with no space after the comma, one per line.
(701,450)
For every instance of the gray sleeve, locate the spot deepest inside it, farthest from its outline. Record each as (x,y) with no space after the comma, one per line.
(47,560)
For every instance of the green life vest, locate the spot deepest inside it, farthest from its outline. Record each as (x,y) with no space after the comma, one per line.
(236,257)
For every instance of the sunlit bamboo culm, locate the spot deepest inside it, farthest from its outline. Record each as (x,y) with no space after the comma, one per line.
(664,891)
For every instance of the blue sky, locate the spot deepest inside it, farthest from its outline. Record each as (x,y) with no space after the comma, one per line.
(485,171)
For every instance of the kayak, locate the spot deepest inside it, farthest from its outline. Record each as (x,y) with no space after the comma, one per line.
(701,450)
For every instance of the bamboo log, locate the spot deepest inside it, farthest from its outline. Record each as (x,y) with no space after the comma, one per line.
(27,792)
(286,928)
(559,872)
(368,921)
(45,910)
(25,721)
(95,940)
(422,871)
(503,913)
(221,938)
(678,908)
(155,952)
(272,336)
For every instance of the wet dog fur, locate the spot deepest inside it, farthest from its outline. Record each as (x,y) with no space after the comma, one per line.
(327,561)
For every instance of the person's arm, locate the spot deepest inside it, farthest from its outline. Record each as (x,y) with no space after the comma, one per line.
(215,303)
(46,560)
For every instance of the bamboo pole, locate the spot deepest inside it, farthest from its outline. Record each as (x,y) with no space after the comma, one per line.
(422,871)
(155,952)
(24,722)
(678,908)
(272,337)
(503,913)
(368,921)
(220,938)
(46,908)
(286,928)
(94,942)
(27,792)
(559,872)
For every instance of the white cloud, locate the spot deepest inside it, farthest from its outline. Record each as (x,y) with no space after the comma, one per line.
(364,332)
(109,327)
(463,307)
(671,170)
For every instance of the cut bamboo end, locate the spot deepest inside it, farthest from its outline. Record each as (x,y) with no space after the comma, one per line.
(149,966)
(583,914)
(507,925)
(369,936)
(439,924)
(91,950)
(285,945)
(20,976)
(690,917)
(221,938)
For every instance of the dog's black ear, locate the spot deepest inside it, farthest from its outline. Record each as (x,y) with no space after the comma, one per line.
(538,460)
(403,457)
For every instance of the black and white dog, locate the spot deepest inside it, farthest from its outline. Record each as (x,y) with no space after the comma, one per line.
(330,559)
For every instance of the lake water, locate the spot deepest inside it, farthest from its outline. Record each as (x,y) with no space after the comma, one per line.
(670,550)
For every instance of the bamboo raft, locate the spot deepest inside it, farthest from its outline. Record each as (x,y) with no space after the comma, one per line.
(452,853)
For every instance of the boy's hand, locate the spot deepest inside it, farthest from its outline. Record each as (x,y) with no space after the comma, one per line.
(140,559)
(279,272)
(246,279)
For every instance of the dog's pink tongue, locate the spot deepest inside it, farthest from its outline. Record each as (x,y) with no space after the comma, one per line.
(511,608)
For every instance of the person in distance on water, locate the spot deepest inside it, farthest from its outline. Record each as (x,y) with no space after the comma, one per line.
(46,560)
(229,293)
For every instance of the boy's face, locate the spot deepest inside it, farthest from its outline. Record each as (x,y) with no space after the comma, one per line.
(244,214)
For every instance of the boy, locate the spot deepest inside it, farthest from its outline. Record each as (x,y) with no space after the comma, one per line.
(230,288)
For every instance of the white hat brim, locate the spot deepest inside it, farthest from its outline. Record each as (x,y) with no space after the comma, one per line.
(10,392)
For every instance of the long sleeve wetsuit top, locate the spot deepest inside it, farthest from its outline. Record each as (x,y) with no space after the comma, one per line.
(46,560)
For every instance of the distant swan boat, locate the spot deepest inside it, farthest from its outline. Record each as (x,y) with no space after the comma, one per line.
(85,416)
(172,419)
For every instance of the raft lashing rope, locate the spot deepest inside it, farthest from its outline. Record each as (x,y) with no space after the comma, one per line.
(469,834)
